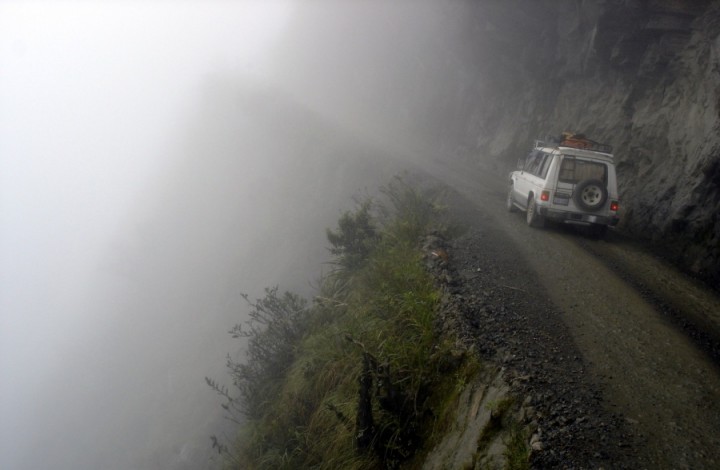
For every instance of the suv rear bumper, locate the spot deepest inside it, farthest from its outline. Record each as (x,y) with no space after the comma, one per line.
(578,218)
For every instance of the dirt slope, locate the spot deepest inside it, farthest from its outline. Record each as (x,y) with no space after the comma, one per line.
(615,347)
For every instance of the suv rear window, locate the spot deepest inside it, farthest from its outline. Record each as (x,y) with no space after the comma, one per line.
(573,170)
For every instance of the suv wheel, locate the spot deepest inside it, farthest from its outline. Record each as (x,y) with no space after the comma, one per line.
(590,195)
(534,219)
(511,200)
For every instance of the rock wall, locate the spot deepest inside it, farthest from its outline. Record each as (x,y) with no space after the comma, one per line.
(643,76)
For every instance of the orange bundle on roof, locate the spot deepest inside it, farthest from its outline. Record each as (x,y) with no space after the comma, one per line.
(580,141)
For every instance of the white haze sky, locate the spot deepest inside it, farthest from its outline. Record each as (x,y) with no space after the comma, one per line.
(92,95)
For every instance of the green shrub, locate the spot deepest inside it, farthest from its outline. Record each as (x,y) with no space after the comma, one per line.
(275,326)
(354,239)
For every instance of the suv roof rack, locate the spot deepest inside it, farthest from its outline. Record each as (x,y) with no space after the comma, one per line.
(575,141)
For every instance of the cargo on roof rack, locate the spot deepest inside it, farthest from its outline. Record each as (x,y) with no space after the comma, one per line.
(575,141)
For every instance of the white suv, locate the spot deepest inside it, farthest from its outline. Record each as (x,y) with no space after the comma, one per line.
(572,182)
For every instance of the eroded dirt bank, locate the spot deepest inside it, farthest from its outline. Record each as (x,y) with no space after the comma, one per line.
(582,327)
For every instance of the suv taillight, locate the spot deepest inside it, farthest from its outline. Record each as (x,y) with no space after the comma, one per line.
(614,206)
(545,196)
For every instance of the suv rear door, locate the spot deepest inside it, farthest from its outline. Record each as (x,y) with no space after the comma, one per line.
(573,171)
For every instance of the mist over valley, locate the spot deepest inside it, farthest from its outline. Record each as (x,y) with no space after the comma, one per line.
(158,160)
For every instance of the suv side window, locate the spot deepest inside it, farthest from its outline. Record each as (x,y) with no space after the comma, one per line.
(545,166)
(538,163)
(534,161)
(529,161)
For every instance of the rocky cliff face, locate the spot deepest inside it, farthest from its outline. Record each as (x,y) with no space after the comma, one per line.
(643,76)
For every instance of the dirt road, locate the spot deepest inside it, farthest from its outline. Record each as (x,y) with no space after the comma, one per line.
(647,334)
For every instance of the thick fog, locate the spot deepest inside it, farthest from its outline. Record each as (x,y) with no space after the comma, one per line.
(158,159)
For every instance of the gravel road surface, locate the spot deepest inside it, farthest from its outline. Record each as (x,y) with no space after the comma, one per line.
(617,349)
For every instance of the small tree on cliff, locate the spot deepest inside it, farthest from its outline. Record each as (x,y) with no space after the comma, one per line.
(276,326)
(354,239)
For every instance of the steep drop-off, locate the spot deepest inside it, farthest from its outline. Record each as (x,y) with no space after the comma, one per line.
(640,75)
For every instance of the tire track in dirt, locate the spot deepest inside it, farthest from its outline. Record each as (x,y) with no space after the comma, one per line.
(687,303)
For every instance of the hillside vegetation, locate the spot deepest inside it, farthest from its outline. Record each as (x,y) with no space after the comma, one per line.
(360,377)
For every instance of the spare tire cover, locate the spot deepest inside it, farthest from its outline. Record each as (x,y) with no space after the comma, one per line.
(590,195)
